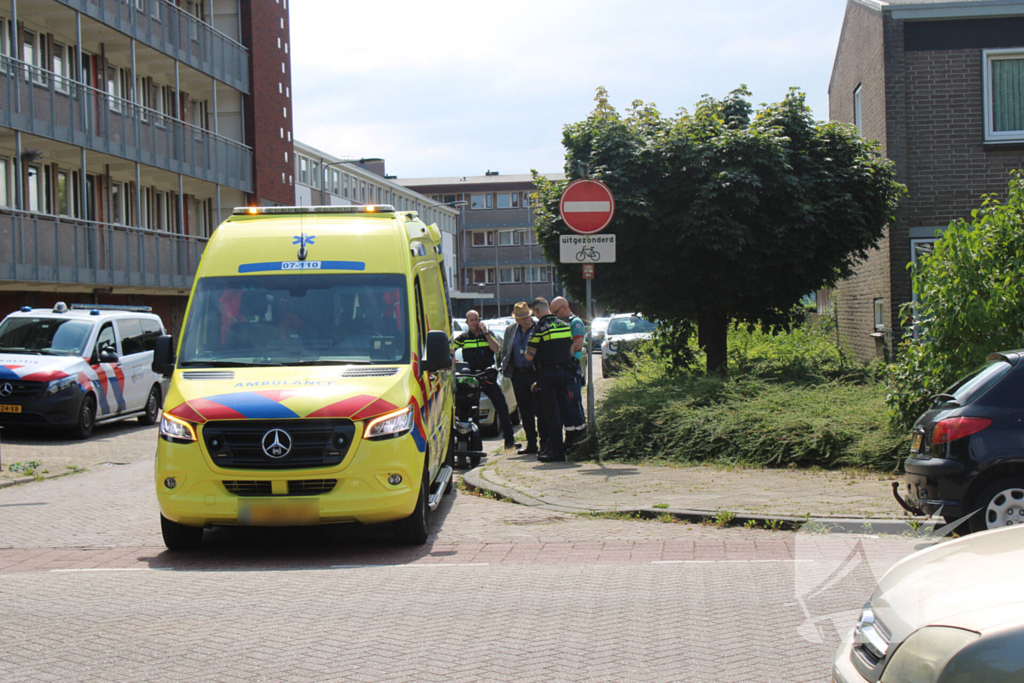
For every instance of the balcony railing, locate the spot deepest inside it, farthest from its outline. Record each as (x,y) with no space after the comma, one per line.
(42,103)
(175,32)
(37,247)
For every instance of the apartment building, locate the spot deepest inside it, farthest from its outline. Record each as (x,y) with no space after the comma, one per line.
(326,180)
(500,261)
(940,85)
(128,131)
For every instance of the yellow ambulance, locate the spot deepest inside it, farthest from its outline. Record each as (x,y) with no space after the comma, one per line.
(313,381)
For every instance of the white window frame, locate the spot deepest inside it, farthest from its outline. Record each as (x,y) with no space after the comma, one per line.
(991,135)
(488,239)
(5,183)
(488,276)
(515,274)
(485,202)
(508,199)
(858,110)
(536,273)
(142,97)
(515,238)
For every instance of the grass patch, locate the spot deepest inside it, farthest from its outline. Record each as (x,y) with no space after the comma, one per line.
(794,400)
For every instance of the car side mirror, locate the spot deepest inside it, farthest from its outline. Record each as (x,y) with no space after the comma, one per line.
(439,352)
(108,356)
(163,356)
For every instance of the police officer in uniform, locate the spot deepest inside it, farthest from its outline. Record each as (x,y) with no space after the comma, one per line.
(478,348)
(550,349)
(576,422)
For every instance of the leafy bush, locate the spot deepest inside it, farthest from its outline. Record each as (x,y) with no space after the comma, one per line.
(971,304)
(794,399)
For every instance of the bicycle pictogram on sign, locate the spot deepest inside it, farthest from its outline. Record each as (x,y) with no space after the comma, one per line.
(588,254)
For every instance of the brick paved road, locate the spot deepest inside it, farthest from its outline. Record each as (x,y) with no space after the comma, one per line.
(500,593)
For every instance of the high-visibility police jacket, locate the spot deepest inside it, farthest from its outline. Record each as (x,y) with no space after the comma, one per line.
(552,344)
(475,351)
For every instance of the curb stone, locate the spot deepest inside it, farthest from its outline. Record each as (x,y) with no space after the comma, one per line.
(476,479)
(28,480)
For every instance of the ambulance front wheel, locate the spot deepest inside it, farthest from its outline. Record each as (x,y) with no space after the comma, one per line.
(180,537)
(413,529)
(86,418)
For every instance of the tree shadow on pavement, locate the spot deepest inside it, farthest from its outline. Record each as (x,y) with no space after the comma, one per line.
(59,437)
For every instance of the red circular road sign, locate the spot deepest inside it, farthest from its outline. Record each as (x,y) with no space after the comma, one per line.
(587,206)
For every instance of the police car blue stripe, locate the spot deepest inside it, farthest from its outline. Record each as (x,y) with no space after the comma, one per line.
(7,373)
(118,394)
(300,265)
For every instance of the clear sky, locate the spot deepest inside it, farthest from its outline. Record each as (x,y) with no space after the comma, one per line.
(458,87)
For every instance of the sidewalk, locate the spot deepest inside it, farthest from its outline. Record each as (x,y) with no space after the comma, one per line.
(693,492)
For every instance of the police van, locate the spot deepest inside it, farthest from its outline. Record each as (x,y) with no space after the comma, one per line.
(313,382)
(80,366)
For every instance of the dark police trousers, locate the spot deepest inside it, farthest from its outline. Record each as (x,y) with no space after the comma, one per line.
(497,396)
(555,404)
(522,384)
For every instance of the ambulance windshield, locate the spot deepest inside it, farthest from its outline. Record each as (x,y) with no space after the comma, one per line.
(300,319)
(44,336)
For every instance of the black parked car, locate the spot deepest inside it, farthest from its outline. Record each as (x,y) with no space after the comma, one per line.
(967,452)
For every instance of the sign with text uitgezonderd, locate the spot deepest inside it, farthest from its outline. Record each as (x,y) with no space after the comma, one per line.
(587,249)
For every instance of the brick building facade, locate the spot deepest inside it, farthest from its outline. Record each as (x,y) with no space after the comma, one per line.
(915,76)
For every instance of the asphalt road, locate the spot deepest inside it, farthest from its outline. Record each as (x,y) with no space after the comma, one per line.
(499,593)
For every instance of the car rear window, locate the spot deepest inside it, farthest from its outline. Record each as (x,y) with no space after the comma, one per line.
(980,380)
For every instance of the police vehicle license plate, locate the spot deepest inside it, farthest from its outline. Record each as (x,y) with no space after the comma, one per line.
(10,409)
(915,443)
(278,512)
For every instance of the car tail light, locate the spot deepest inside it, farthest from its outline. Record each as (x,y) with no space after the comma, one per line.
(955,428)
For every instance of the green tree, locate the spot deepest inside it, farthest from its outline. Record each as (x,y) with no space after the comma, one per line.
(971,303)
(723,214)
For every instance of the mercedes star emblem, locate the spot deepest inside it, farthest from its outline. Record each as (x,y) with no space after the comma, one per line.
(277,443)
(7,389)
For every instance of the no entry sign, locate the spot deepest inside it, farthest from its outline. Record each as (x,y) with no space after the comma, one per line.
(587,206)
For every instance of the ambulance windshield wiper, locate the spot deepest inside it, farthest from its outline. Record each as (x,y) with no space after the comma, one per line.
(323,361)
(225,364)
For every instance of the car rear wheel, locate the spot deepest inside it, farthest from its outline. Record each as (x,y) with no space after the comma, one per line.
(86,418)
(152,407)
(1000,504)
(180,537)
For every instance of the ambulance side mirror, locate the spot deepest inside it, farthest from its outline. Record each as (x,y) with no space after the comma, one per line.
(439,352)
(163,356)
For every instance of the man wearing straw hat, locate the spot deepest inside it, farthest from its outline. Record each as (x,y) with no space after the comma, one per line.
(522,373)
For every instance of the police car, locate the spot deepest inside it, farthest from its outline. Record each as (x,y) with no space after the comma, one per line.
(80,366)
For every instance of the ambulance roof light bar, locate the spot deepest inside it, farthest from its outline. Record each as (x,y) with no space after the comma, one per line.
(295,210)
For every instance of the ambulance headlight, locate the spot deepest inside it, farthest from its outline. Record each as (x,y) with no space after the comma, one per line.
(391,425)
(59,385)
(176,430)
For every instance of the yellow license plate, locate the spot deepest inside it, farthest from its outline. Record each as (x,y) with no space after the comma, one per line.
(278,512)
(10,409)
(915,443)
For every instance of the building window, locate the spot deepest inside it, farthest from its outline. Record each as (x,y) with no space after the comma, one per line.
(480,201)
(511,275)
(314,174)
(537,274)
(63,207)
(303,170)
(858,113)
(510,238)
(879,314)
(116,205)
(335,181)
(504,200)
(483,238)
(4,193)
(34,178)
(515,200)
(1004,95)
(483,276)
(344,185)
(531,238)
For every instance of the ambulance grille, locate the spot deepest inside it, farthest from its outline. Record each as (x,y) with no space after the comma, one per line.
(297,487)
(208,374)
(368,372)
(238,444)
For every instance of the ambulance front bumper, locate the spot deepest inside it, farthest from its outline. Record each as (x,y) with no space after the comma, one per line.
(378,481)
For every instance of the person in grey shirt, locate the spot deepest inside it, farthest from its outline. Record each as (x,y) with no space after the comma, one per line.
(522,373)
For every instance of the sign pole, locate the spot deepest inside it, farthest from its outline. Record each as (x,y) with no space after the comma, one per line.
(590,361)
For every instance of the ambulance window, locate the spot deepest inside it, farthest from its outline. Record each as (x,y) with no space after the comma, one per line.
(131,336)
(420,326)
(106,340)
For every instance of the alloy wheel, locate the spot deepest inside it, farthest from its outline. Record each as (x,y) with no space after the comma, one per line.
(1005,509)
